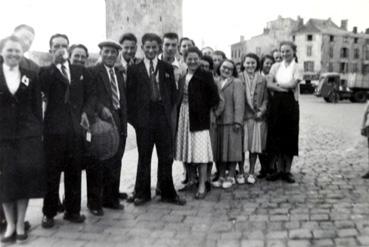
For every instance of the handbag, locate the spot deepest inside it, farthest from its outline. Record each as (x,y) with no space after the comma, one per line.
(104,139)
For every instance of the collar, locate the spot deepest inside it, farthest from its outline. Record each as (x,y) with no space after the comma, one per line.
(9,69)
(66,65)
(291,63)
(109,68)
(155,60)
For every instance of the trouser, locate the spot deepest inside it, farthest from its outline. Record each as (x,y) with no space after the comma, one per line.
(63,154)
(158,133)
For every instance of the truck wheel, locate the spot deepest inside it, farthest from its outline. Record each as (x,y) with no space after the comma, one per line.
(333,97)
(360,96)
(327,99)
(352,99)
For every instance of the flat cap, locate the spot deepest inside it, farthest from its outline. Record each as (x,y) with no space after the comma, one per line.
(110,43)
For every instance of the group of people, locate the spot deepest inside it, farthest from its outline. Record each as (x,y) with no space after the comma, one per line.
(196,106)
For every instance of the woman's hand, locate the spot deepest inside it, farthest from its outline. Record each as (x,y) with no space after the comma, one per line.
(106,114)
(236,127)
(258,115)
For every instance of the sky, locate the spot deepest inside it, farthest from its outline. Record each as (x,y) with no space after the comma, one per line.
(215,23)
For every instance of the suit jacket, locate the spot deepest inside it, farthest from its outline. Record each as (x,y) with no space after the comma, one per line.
(61,117)
(104,95)
(203,95)
(234,106)
(21,113)
(139,92)
(259,102)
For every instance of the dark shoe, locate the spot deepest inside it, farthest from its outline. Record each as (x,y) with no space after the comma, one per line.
(288,177)
(96,212)
(74,218)
(185,181)
(188,187)
(130,199)
(262,175)
(200,196)
(122,196)
(22,237)
(60,208)
(115,206)
(177,200)
(366,176)
(47,222)
(10,239)
(273,177)
(140,201)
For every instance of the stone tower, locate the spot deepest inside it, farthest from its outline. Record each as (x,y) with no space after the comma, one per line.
(141,16)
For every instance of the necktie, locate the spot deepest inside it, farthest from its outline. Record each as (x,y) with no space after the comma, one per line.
(114,89)
(155,96)
(67,90)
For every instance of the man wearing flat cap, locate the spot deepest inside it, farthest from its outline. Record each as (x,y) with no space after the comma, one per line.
(103,191)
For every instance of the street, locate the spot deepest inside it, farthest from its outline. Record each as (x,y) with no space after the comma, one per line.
(327,206)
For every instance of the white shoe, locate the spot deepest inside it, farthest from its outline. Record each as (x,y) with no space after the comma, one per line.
(251,179)
(218,183)
(228,183)
(241,179)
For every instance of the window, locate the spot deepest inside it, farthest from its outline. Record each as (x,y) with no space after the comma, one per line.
(309,37)
(344,53)
(367,53)
(356,53)
(354,68)
(309,51)
(330,67)
(331,52)
(355,40)
(293,38)
(239,53)
(331,38)
(343,67)
(345,39)
(365,69)
(309,66)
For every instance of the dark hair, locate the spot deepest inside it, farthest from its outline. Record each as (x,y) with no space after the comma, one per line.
(293,47)
(170,36)
(185,39)
(151,37)
(74,46)
(193,49)
(253,56)
(265,57)
(220,53)
(127,36)
(10,38)
(209,60)
(57,35)
(234,72)
(24,26)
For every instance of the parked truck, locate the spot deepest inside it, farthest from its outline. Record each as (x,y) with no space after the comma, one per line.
(334,87)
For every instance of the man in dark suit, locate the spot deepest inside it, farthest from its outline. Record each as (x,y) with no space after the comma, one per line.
(103,191)
(151,95)
(70,98)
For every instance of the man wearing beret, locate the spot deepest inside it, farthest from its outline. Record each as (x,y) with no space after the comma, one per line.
(103,191)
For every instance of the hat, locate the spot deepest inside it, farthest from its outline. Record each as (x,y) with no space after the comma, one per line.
(110,43)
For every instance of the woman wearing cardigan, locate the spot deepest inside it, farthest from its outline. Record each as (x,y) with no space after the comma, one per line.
(22,174)
(255,128)
(230,124)
(198,94)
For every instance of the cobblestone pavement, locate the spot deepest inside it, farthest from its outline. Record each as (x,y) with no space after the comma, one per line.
(328,206)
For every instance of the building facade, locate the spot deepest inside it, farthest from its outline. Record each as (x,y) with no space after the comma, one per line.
(141,16)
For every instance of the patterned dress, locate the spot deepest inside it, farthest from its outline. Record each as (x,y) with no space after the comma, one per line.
(191,147)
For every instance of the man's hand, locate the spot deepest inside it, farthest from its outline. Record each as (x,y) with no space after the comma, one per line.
(84,121)
(106,114)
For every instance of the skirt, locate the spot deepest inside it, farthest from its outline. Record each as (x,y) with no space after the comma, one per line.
(229,144)
(23,171)
(283,124)
(255,136)
(191,147)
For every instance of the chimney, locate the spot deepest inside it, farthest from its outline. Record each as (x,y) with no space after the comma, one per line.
(344,24)
(300,22)
(367,31)
(242,38)
(354,30)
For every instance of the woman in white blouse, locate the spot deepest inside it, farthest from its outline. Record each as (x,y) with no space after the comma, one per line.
(283,80)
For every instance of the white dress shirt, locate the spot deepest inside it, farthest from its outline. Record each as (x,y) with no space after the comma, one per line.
(115,77)
(12,78)
(147,65)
